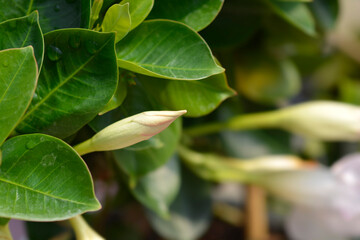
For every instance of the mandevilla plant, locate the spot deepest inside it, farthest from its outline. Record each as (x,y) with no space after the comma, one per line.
(112,107)
(62,63)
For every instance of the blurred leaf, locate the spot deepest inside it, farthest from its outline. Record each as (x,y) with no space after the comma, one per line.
(117,19)
(139,10)
(38,174)
(157,189)
(326,12)
(18,70)
(95,11)
(197,97)
(245,14)
(255,143)
(78,78)
(174,52)
(22,32)
(4,221)
(195,14)
(296,14)
(53,15)
(267,80)
(190,213)
(349,91)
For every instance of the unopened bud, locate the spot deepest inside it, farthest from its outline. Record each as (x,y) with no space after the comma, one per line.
(129,131)
(324,120)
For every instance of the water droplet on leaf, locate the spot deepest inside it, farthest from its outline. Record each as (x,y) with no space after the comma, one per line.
(53,53)
(48,160)
(91,46)
(74,41)
(31,144)
(5,63)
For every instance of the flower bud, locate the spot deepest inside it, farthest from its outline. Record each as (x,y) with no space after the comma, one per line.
(325,120)
(129,131)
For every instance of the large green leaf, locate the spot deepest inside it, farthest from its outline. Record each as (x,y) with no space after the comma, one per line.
(166,49)
(117,19)
(157,189)
(22,32)
(190,213)
(139,10)
(18,71)
(326,12)
(43,179)
(78,78)
(296,14)
(54,14)
(196,14)
(197,97)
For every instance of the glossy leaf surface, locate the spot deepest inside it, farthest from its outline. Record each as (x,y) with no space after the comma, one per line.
(22,32)
(53,14)
(296,14)
(78,78)
(197,97)
(157,189)
(38,176)
(18,70)
(139,10)
(117,19)
(174,52)
(190,213)
(196,14)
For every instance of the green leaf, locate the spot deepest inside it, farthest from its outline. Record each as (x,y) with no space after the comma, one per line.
(44,180)
(4,221)
(118,97)
(117,19)
(197,97)
(139,10)
(157,189)
(195,14)
(166,49)
(78,79)
(18,70)
(53,14)
(190,213)
(326,12)
(296,14)
(236,23)
(22,32)
(265,79)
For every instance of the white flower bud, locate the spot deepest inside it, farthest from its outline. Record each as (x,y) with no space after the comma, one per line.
(325,120)
(129,131)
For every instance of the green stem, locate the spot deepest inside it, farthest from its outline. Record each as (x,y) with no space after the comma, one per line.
(243,122)
(82,230)
(5,232)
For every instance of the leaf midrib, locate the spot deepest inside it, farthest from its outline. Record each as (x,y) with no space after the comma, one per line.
(43,193)
(64,82)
